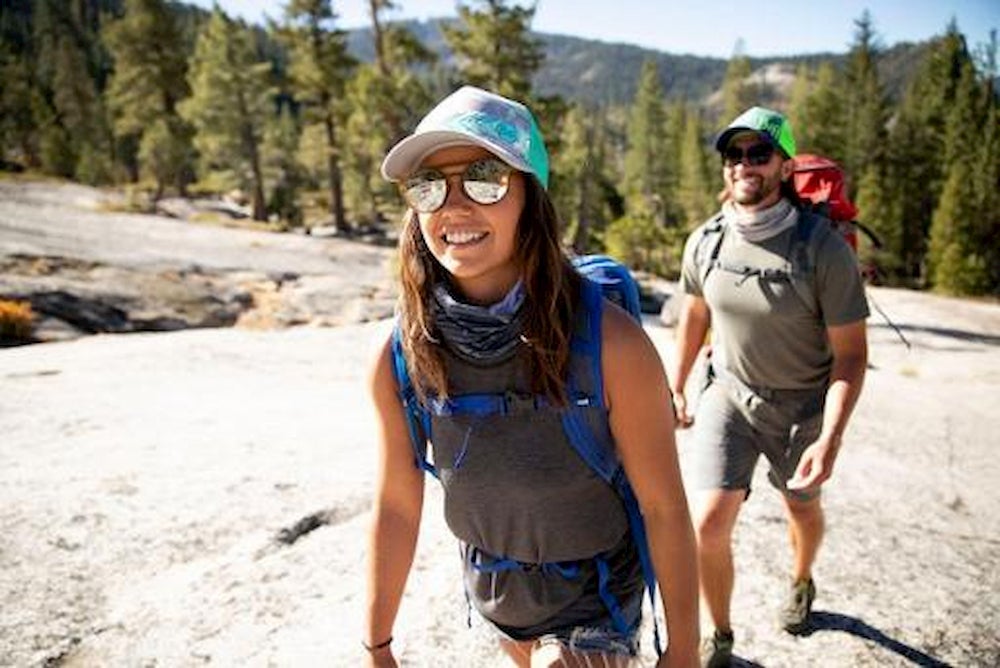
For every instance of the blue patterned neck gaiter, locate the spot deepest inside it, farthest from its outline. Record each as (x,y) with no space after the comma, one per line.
(480,334)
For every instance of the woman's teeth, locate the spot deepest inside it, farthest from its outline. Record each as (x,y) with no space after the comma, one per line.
(463,237)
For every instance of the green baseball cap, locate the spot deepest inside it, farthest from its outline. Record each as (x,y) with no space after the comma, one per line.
(769,124)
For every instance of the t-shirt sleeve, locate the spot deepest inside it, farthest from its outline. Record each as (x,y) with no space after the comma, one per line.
(840,288)
(690,282)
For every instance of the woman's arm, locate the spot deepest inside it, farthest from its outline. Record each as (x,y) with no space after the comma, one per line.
(642,423)
(399,491)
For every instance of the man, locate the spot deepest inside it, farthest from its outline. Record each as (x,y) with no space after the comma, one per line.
(784,299)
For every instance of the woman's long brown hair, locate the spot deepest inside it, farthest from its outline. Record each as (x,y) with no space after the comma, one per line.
(551,290)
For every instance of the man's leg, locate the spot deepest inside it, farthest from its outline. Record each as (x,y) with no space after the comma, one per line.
(805,531)
(716,518)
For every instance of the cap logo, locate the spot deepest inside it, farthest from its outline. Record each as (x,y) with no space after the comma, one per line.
(495,123)
(772,125)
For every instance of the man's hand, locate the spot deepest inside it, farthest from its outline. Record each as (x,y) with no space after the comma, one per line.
(816,465)
(681,415)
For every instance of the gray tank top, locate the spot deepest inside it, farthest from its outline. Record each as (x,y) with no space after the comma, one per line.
(514,485)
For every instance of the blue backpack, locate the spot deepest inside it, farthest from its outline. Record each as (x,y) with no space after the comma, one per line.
(606,279)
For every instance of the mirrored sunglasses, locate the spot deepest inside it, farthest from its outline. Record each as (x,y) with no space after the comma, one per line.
(755,155)
(484,181)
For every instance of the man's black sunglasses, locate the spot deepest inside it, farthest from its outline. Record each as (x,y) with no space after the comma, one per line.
(755,156)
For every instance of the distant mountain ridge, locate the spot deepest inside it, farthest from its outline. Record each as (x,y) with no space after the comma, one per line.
(604,73)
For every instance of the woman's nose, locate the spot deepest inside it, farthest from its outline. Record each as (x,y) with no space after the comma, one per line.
(455,195)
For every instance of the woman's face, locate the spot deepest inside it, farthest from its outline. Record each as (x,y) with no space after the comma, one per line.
(475,243)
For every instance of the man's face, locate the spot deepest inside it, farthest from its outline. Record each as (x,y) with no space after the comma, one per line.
(751,186)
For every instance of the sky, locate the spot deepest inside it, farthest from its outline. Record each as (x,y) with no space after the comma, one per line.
(769,28)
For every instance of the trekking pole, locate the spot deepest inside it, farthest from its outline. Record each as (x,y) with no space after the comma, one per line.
(878,308)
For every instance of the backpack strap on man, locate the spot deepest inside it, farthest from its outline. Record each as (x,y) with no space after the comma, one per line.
(706,250)
(811,231)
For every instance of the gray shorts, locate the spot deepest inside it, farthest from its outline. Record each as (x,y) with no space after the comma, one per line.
(735,424)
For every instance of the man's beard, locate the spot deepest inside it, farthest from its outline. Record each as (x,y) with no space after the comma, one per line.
(768,186)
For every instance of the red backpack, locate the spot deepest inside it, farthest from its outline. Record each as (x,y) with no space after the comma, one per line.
(820,182)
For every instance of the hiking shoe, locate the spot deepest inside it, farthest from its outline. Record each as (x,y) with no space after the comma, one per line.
(717,651)
(795,615)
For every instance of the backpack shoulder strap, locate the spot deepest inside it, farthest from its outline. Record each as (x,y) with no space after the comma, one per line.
(418,418)
(604,462)
(706,250)
(811,232)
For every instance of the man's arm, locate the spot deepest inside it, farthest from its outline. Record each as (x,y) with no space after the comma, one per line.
(692,327)
(850,360)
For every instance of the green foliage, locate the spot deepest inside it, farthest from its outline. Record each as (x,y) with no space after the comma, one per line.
(581,177)
(318,70)
(643,243)
(817,113)
(880,212)
(494,48)
(738,92)
(699,180)
(148,83)
(866,110)
(229,104)
(647,175)
(958,265)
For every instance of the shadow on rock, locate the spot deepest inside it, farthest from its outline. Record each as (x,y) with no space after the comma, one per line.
(832,621)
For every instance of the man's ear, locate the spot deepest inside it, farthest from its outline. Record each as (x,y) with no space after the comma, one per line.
(787,167)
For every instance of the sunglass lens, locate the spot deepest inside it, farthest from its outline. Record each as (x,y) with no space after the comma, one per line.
(733,155)
(756,155)
(486,181)
(425,191)
(760,154)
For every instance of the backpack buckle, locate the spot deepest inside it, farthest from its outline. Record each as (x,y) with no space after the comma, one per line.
(516,403)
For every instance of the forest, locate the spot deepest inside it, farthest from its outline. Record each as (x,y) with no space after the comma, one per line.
(162,98)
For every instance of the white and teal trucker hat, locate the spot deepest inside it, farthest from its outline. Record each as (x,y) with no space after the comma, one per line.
(474,116)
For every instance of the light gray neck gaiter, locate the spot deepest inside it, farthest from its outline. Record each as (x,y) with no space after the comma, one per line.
(756,226)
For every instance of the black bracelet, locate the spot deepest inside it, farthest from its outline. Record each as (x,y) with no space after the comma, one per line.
(381,645)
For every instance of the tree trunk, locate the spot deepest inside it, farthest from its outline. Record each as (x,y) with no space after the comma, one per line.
(336,182)
(259,209)
(389,115)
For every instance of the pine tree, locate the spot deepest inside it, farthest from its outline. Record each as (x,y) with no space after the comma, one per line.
(383,98)
(865,102)
(319,68)
(75,134)
(494,48)
(822,129)
(148,83)
(229,105)
(916,168)
(798,100)
(646,182)
(282,171)
(579,169)
(697,184)
(959,234)
(879,211)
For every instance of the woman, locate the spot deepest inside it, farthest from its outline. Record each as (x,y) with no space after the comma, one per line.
(489,306)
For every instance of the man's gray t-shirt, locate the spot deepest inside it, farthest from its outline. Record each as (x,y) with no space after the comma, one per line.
(763,331)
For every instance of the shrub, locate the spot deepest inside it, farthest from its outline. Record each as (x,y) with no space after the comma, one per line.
(16,321)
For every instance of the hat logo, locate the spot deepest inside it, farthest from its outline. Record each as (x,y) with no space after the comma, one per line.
(772,126)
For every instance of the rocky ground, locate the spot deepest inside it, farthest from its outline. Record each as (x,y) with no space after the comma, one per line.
(86,270)
(201,496)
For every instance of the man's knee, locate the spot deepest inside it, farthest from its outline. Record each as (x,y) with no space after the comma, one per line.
(804,511)
(717,518)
